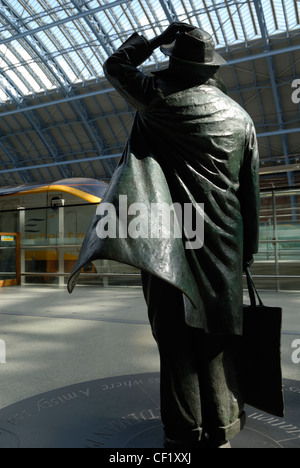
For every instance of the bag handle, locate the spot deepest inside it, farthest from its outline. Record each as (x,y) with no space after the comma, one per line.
(252,289)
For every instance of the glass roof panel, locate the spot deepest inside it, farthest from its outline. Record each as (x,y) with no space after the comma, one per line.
(56,43)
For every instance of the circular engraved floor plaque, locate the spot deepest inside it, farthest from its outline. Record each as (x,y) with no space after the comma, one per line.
(123,412)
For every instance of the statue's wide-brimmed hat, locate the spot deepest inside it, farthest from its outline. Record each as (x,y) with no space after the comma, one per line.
(194,47)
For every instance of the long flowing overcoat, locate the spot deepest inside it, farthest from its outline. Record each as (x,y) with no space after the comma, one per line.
(190,144)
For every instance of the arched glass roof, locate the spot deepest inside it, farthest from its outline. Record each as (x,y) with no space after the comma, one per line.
(50,44)
(59,117)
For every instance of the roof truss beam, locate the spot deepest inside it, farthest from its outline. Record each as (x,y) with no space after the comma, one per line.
(80,15)
(96,27)
(169,10)
(31,118)
(60,163)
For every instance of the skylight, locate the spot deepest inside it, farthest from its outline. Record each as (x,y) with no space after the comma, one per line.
(54,44)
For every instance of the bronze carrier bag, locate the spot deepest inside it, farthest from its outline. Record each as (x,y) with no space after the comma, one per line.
(260,354)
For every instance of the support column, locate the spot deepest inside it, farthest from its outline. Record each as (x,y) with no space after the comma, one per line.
(21,229)
(60,243)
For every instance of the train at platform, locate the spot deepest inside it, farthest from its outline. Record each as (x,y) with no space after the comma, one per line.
(52,218)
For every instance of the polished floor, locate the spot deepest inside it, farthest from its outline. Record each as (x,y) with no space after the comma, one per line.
(53,339)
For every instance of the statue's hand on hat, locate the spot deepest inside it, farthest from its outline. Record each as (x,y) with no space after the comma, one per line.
(169,35)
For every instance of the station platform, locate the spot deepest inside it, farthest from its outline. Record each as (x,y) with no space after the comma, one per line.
(83,371)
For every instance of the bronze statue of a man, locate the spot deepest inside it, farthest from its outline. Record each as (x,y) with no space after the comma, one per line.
(191,147)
